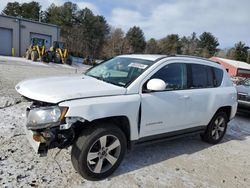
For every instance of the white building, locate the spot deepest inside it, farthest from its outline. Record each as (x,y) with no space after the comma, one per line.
(15,34)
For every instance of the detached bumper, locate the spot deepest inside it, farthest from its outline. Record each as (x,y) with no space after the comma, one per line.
(43,140)
(29,135)
(38,147)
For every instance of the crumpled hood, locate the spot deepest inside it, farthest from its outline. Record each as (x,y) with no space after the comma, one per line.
(61,88)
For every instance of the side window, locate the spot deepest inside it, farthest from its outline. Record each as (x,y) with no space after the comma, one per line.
(218,73)
(202,76)
(199,76)
(210,77)
(247,82)
(175,76)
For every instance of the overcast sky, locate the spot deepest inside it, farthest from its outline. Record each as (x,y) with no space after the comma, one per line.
(228,20)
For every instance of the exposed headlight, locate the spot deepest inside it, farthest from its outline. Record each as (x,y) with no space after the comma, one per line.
(44,117)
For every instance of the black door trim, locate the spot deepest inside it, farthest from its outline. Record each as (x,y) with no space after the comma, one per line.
(170,135)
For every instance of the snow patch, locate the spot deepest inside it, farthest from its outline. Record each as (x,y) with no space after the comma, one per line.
(8,101)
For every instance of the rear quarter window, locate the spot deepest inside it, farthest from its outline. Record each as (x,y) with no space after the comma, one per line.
(204,76)
(218,75)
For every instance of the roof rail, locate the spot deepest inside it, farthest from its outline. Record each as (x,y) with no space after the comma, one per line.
(191,56)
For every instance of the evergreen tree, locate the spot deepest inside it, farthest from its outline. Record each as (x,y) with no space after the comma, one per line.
(207,44)
(241,51)
(26,10)
(31,10)
(83,32)
(136,40)
(152,47)
(12,9)
(170,45)
(248,58)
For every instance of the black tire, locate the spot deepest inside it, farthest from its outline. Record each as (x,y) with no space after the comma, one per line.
(90,140)
(34,55)
(27,55)
(57,58)
(49,57)
(68,61)
(44,58)
(216,128)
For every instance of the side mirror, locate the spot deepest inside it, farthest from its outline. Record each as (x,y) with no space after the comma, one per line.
(156,84)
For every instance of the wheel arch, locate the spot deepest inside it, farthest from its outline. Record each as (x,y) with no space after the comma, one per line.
(226,109)
(121,122)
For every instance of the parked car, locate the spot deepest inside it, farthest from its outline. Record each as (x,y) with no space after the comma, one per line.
(127,100)
(243,90)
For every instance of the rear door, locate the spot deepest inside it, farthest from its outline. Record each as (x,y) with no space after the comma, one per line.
(202,93)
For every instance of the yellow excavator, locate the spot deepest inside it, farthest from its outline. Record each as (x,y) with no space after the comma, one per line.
(58,53)
(36,50)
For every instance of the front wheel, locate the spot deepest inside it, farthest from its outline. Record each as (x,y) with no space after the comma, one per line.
(216,129)
(34,55)
(28,55)
(98,152)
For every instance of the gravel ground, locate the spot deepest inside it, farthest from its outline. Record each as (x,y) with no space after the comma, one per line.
(186,162)
(13,70)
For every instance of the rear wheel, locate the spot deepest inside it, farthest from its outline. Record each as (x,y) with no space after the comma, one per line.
(57,58)
(98,151)
(47,57)
(34,55)
(216,129)
(44,58)
(69,60)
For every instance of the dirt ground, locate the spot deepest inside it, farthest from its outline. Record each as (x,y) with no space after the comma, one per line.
(186,162)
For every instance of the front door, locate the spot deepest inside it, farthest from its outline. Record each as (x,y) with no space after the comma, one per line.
(166,111)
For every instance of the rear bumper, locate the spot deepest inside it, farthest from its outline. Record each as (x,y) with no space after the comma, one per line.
(244,104)
(233,110)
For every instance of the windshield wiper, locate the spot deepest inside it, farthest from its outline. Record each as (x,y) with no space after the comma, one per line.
(97,77)
(114,83)
(107,81)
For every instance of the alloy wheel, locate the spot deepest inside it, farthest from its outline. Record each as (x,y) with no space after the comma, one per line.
(218,128)
(103,154)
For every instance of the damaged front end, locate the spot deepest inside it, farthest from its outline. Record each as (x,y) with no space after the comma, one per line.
(47,127)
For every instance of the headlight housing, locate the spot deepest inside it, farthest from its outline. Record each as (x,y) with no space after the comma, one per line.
(44,117)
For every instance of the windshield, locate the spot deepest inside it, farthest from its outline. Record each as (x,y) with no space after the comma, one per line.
(246,82)
(37,41)
(119,71)
(61,45)
(57,44)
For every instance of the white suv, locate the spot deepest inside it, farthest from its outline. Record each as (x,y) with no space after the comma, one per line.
(130,99)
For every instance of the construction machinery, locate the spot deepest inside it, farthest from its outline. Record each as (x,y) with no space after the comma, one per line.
(89,61)
(36,50)
(58,53)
